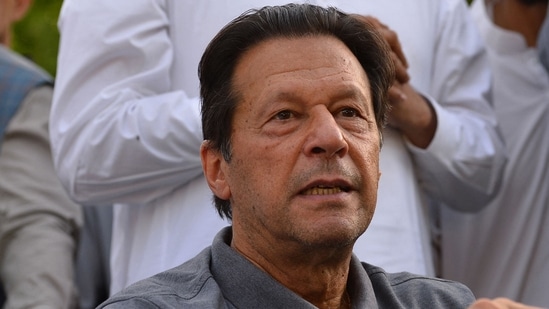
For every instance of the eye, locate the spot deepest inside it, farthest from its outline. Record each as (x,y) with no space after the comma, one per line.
(283,115)
(349,112)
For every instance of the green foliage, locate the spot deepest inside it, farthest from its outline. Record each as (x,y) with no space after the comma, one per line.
(36,36)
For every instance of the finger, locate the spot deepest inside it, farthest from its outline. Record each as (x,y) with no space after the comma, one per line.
(389,35)
(374,21)
(499,303)
(396,95)
(400,70)
(392,38)
(484,304)
(510,304)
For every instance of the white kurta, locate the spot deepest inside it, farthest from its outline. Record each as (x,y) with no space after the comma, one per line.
(126,126)
(504,250)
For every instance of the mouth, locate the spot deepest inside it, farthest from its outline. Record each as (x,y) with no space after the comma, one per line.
(325,189)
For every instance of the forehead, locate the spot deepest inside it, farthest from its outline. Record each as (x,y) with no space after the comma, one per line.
(314,61)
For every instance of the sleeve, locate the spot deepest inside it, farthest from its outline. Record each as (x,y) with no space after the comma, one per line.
(463,165)
(28,185)
(120,130)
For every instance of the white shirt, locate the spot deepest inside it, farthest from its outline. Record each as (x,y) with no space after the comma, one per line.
(504,250)
(126,126)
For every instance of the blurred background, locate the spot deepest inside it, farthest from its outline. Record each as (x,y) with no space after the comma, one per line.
(36,36)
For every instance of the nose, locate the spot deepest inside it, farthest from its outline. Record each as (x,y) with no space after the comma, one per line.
(325,137)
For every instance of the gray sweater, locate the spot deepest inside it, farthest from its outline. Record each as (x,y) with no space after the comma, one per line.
(219,277)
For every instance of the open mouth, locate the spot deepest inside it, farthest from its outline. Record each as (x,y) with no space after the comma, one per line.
(324,190)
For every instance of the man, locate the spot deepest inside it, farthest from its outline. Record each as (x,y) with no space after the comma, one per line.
(294,100)
(126,126)
(39,224)
(513,230)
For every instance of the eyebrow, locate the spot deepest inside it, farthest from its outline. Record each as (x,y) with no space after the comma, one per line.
(350,92)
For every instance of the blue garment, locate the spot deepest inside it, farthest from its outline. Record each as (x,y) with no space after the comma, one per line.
(18,77)
(219,277)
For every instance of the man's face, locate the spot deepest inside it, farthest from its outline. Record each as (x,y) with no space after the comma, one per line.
(305,144)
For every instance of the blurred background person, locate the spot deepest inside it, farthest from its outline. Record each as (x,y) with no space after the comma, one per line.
(504,249)
(93,256)
(39,224)
(126,125)
(543,43)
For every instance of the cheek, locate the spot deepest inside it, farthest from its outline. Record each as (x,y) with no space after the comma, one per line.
(261,167)
(267,154)
(251,167)
(368,163)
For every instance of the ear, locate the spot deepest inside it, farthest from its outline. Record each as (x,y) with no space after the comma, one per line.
(214,167)
(20,9)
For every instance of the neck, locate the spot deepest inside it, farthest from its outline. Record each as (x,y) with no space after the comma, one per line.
(317,275)
(518,17)
(5,39)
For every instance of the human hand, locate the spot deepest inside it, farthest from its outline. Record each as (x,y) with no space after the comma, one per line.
(391,37)
(499,303)
(410,113)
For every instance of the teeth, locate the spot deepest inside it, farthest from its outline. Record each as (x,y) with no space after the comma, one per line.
(322,191)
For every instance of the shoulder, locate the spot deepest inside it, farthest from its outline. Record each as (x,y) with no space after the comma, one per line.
(419,291)
(190,285)
(12,62)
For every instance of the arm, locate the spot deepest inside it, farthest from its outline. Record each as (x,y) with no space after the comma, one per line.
(453,138)
(40,224)
(28,185)
(121,131)
(410,113)
(463,164)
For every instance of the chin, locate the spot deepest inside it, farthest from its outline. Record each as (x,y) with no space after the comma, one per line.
(332,236)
